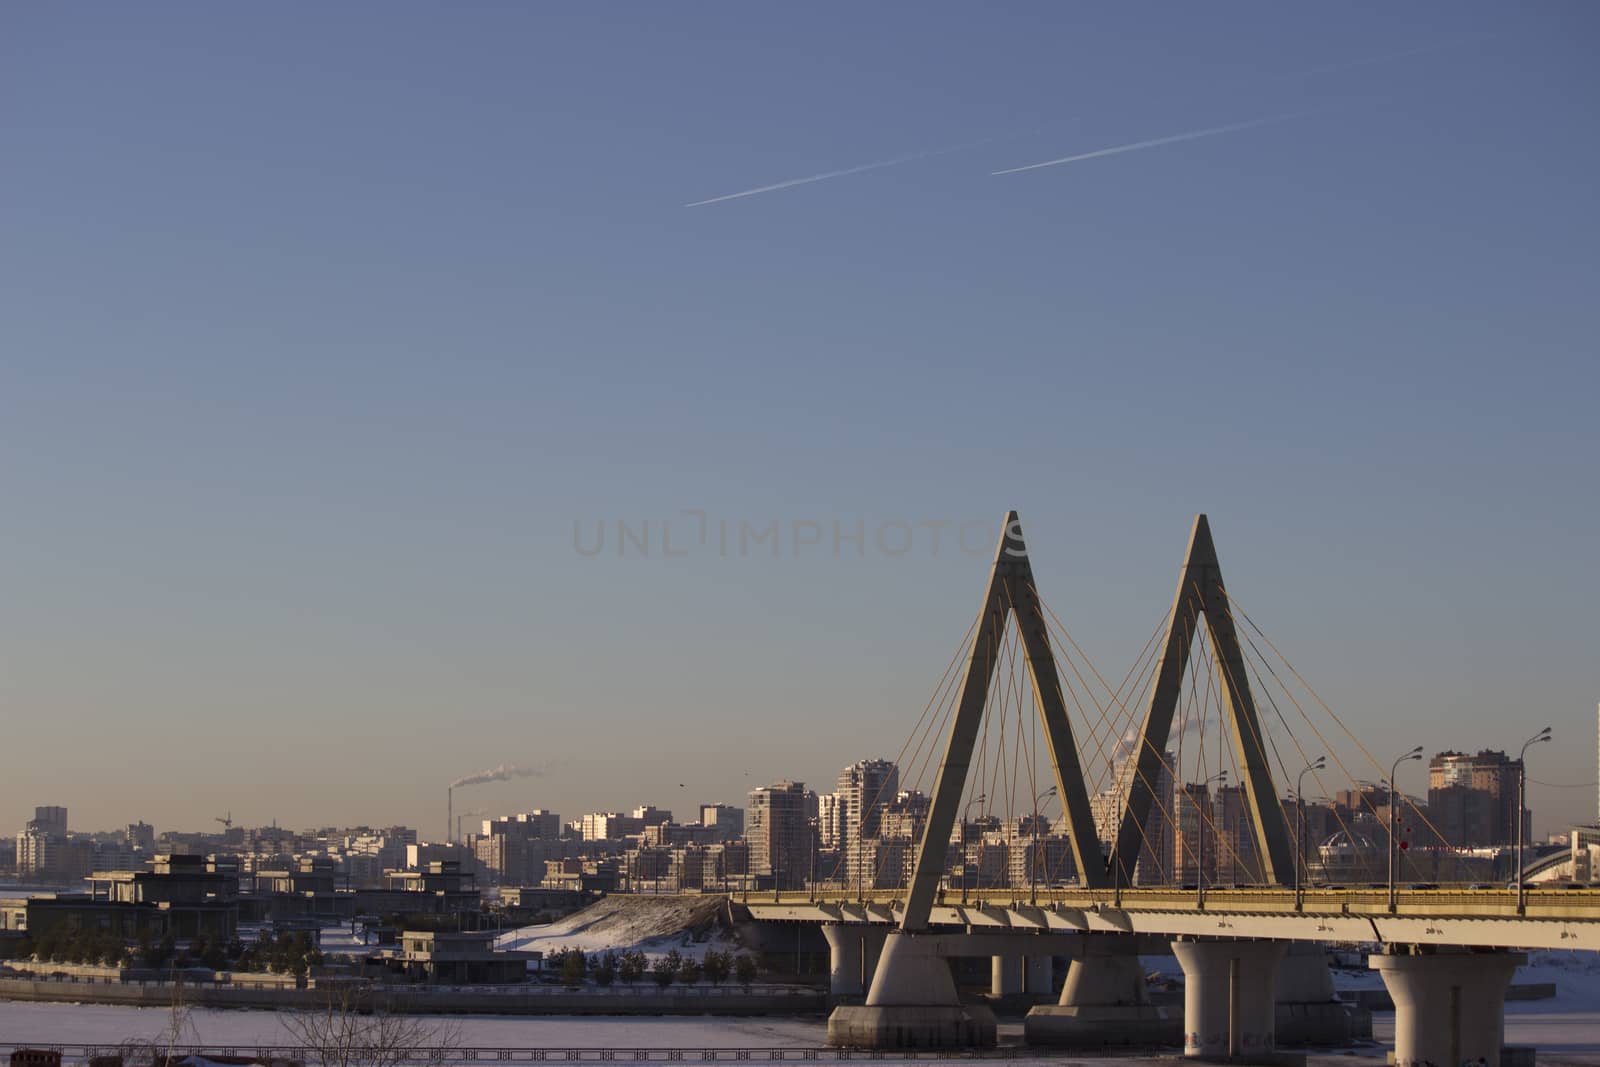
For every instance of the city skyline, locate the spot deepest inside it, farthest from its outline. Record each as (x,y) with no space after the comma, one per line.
(868,786)
(860,835)
(331,340)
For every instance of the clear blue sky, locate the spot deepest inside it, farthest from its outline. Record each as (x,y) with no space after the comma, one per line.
(320,327)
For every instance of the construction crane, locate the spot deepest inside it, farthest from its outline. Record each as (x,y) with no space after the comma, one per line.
(226,821)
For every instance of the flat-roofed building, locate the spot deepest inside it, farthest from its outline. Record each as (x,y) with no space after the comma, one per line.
(453,958)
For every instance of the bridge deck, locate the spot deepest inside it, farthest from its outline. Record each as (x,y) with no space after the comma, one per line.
(1551,918)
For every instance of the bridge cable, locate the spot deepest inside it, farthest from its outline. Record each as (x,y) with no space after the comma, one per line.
(940,695)
(1316,776)
(1225,754)
(1335,716)
(1126,717)
(1260,738)
(1114,734)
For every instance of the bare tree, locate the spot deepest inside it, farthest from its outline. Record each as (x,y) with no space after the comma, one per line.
(177,1033)
(351,1028)
(180,1029)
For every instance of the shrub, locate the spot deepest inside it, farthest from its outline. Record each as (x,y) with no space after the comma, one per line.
(574,966)
(631,966)
(744,969)
(604,968)
(718,965)
(664,970)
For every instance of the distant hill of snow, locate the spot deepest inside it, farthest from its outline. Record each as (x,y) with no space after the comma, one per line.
(655,925)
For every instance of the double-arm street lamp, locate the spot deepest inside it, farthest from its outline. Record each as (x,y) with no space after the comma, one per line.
(1200,837)
(1033,867)
(1300,823)
(979,799)
(1394,808)
(1522,808)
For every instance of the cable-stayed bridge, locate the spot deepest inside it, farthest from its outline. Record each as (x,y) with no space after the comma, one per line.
(1247,950)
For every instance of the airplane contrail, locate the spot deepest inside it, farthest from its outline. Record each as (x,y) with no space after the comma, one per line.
(842,173)
(1116,150)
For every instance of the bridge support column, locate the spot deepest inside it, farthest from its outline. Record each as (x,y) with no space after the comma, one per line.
(1308,1012)
(1104,1001)
(853,951)
(1449,1006)
(1228,1004)
(912,1003)
(1041,974)
(846,959)
(872,939)
(1007,974)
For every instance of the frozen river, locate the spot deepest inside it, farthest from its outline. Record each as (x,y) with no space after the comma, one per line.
(1565,1031)
(108,1024)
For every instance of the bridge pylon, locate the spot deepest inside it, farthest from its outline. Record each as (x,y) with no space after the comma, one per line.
(912,999)
(1011,596)
(1201,594)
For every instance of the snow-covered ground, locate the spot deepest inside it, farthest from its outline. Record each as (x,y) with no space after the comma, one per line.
(653,926)
(1565,1029)
(97,1023)
(1563,1034)
(340,941)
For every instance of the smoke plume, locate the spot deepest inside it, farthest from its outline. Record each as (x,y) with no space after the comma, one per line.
(503,773)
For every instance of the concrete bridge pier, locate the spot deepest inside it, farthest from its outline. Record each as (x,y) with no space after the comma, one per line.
(1104,1001)
(1040,976)
(912,1003)
(1007,974)
(1228,1003)
(1449,1005)
(1308,1011)
(853,951)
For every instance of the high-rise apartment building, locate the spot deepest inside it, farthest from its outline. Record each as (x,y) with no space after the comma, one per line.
(828,831)
(1194,846)
(52,820)
(513,849)
(1238,860)
(865,789)
(609,826)
(1472,799)
(782,845)
(140,836)
(1154,866)
(725,820)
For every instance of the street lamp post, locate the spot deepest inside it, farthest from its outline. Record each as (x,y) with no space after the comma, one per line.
(1522,808)
(979,799)
(1394,809)
(1200,842)
(1033,867)
(1300,824)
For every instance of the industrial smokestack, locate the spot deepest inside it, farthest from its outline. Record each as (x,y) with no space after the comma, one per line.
(503,773)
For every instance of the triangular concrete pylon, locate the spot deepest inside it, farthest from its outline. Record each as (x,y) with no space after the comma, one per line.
(1201,592)
(1011,594)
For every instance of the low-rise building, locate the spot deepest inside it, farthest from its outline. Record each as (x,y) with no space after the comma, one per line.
(453,958)
(439,888)
(180,895)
